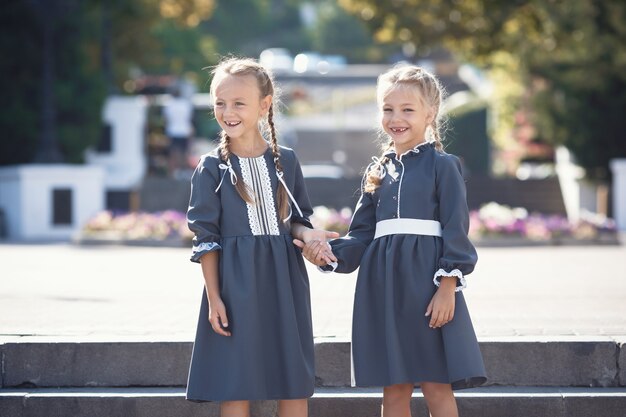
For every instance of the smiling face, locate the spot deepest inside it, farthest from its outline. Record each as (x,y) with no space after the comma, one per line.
(405,117)
(238,107)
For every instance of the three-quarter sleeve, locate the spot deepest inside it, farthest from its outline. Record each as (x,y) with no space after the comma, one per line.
(459,255)
(349,249)
(203,214)
(302,199)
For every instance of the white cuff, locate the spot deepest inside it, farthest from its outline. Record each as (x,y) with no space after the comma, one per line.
(461,283)
(205,246)
(198,251)
(333,265)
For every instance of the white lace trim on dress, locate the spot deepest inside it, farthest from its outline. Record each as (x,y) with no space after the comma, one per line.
(261,214)
(454,273)
(205,246)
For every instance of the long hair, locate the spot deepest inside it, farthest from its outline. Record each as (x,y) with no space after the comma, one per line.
(429,90)
(243,67)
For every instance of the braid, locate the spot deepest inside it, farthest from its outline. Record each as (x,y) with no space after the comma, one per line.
(373,177)
(242,189)
(436,135)
(234,66)
(281,194)
(224,148)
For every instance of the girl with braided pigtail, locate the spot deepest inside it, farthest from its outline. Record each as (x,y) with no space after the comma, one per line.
(248,202)
(408,235)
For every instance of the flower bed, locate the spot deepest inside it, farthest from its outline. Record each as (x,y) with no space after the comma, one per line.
(493,224)
(167,228)
(331,219)
(500,224)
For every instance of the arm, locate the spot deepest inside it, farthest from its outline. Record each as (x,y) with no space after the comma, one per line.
(349,249)
(203,218)
(217,310)
(301,196)
(459,255)
(204,212)
(301,228)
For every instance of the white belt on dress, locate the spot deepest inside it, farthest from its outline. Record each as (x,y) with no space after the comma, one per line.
(407,227)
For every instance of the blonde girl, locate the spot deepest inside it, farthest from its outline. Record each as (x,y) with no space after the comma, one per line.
(248,200)
(409,236)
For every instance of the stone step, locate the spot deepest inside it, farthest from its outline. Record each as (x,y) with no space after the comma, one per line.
(33,362)
(327,402)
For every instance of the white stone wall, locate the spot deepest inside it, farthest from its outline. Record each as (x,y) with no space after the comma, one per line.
(26,198)
(126,164)
(618,167)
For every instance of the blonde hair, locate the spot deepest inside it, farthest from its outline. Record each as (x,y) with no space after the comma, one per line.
(429,90)
(244,67)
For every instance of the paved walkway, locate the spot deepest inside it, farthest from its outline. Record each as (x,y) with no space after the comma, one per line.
(114,292)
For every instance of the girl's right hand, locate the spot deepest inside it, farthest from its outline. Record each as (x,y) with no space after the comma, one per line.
(217,317)
(441,306)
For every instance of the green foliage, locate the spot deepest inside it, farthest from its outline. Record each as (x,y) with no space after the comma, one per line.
(337,32)
(138,38)
(246,27)
(571,56)
(580,84)
(77,90)
(19,84)
(151,36)
(182,49)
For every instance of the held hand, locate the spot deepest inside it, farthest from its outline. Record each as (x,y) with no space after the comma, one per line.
(217,317)
(318,234)
(320,254)
(316,252)
(441,307)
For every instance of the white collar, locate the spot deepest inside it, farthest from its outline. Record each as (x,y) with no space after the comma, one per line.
(414,149)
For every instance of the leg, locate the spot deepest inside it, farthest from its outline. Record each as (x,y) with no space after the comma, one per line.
(440,399)
(397,400)
(235,409)
(293,408)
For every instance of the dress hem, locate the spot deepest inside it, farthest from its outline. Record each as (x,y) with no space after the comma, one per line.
(269,398)
(465,383)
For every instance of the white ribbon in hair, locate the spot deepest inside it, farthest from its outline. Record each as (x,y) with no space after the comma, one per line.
(227,168)
(381,168)
(279,174)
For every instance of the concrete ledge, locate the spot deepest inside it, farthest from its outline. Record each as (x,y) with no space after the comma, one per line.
(337,402)
(575,362)
(605,406)
(95,364)
(588,364)
(621,362)
(11,405)
(332,363)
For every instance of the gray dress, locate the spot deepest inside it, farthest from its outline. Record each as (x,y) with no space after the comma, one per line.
(263,283)
(391,340)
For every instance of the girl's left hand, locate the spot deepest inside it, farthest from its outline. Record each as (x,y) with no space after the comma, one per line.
(323,253)
(317,252)
(441,306)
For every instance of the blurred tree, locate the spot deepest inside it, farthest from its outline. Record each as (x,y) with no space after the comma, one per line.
(50,98)
(337,32)
(20,83)
(246,27)
(152,36)
(64,52)
(571,56)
